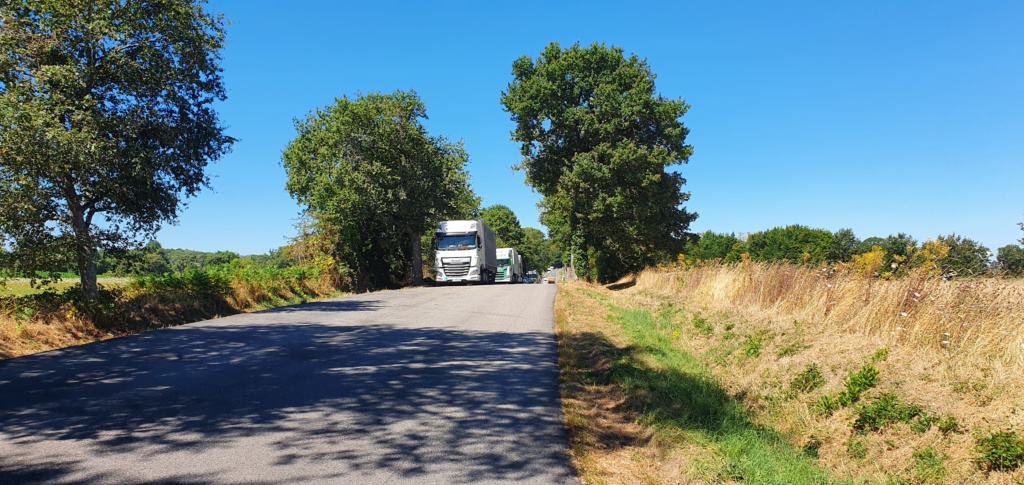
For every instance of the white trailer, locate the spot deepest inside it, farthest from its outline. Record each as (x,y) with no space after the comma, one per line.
(510,266)
(466,252)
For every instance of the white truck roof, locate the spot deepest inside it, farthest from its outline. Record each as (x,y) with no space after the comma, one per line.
(504,253)
(457,227)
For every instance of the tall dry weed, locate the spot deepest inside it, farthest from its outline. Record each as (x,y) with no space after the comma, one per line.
(971,318)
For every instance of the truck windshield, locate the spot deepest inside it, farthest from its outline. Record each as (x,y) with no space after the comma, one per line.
(502,262)
(452,241)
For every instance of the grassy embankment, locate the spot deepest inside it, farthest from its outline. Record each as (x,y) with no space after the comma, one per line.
(779,374)
(33,321)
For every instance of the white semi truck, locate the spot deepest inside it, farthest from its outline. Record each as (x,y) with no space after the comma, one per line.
(466,252)
(510,266)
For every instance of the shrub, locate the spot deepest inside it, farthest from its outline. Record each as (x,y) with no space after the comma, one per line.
(1001,451)
(795,244)
(929,258)
(885,411)
(966,257)
(714,246)
(1011,260)
(808,380)
(870,263)
(857,383)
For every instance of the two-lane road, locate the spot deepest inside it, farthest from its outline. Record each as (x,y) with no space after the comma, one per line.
(427,385)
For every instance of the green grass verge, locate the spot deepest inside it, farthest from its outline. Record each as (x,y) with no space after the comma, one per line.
(678,397)
(23,286)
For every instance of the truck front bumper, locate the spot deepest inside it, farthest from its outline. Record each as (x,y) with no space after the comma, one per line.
(460,279)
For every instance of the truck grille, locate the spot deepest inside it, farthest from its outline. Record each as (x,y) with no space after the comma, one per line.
(455,269)
(502,272)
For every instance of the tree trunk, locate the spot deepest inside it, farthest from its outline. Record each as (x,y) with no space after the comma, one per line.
(86,255)
(416,259)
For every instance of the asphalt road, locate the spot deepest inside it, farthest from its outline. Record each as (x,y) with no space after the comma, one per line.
(427,385)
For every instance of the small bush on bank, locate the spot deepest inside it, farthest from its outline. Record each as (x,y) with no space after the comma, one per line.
(1001,451)
(885,411)
(857,383)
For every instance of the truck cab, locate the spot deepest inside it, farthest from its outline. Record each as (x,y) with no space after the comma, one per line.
(465,252)
(510,266)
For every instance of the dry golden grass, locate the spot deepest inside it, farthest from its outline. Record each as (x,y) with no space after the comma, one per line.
(140,310)
(838,322)
(977,319)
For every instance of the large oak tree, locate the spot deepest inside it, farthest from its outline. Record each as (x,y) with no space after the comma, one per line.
(106,122)
(597,141)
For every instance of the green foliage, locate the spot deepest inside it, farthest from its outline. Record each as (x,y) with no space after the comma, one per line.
(843,246)
(596,142)
(375,183)
(826,405)
(754,344)
(1001,451)
(888,409)
(713,246)
(923,422)
(928,466)
(196,281)
(505,225)
(948,424)
(538,251)
(857,383)
(966,257)
(1011,260)
(880,355)
(107,121)
(899,250)
(794,244)
(808,380)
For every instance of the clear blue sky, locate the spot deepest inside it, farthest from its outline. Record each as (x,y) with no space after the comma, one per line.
(878,116)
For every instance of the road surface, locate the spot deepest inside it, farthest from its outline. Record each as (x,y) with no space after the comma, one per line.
(426,385)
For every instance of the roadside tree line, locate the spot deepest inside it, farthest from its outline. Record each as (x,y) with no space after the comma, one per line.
(885,257)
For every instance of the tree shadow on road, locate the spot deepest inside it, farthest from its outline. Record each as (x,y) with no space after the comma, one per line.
(344,399)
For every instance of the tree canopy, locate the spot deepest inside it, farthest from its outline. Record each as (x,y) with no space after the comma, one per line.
(596,141)
(106,122)
(505,224)
(376,182)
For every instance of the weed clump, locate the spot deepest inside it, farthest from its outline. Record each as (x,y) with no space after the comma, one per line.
(948,424)
(928,466)
(857,383)
(754,344)
(1001,451)
(888,409)
(702,325)
(810,379)
(881,355)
